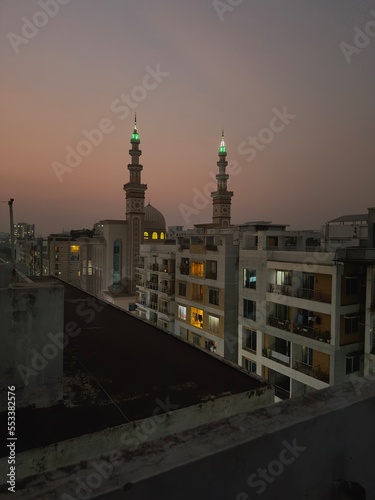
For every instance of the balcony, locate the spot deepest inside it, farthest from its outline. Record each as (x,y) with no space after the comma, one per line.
(153,267)
(312,332)
(308,294)
(211,275)
(279,357)
(281,393)
(280,289)
(152,285)
(211,247)
(311,371)
(282,324)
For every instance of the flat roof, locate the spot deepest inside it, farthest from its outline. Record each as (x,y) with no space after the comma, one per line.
(350,218)
(117,367)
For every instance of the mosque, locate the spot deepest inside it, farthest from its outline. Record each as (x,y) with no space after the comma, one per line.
(114,253)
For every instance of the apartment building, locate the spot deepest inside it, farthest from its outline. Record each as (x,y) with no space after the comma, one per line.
(155,284)
(64,258)
(301,313)
(206,291)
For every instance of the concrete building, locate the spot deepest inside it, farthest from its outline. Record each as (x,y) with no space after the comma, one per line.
(126,384)
(23,230)
(156,270)
(207,290)
(31,326)
(64,258)
(114,250)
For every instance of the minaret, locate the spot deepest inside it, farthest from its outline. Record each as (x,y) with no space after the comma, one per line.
(221,198)
(135,196)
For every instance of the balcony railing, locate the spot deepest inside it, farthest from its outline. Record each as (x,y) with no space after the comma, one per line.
(279,357)
(308,294)
(280,289)
(311,371)
(211,275)
(280,323)
(151,285)
(281,393)
(312,332)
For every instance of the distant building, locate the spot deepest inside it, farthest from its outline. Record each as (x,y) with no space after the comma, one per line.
(23,230)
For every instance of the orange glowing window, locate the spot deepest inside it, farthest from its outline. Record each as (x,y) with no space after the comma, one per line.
(197,268)
(74,248)
(197,317)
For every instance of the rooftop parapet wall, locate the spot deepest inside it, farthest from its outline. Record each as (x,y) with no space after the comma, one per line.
(304,448)
(30,316)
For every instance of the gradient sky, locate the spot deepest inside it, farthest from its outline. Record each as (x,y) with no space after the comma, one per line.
(230,72)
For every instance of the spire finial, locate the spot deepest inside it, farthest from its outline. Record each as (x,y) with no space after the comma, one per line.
(135,135)
(222,144)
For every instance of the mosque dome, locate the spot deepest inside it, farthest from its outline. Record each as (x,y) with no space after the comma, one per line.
(154,223)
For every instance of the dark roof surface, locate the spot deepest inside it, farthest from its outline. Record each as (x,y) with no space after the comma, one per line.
(350,218)
(117,368)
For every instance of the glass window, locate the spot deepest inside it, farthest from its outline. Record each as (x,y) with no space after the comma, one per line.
(145,235)
(249,278)
(250,340)
(182,289)
(197,268)
(213,323)
(351,324)
(352,364)
(197,317)
(182,312)
(213,296)
(249,307)
(154,235)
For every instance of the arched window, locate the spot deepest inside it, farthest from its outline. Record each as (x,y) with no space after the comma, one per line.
(145,235)
(162,236)
(154,235)
(116,264)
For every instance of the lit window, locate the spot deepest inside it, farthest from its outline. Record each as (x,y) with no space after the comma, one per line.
(154,235)
(182,312)
(249,278)
(213,324)
(197,317)
(74,248)
(162,236)
(197,268)
(145,235)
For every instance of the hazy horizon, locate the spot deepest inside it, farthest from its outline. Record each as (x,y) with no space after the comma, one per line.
(190,69)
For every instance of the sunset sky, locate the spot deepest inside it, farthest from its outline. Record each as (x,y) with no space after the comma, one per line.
(210,68)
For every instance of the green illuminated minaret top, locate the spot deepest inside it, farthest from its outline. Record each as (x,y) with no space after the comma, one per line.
(135,135)
(222,144)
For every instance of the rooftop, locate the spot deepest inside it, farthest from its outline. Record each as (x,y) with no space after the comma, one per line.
(350,218)
(116,366)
